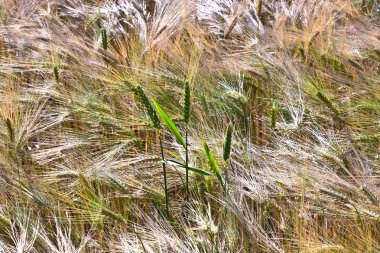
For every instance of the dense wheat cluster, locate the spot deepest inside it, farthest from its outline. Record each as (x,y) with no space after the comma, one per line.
(189,126)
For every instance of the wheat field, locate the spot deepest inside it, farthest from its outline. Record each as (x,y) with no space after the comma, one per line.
(189,126)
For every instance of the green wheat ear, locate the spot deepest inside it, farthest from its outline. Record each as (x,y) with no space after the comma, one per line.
(186,108)
(103,35)
(4,223)
(228,143)
(370,194)
(336,195)
(327,102)
(148,106)
(10,130)
(56,73)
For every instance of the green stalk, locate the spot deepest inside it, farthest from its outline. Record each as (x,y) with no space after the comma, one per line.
(138,237)
(186,118)
(187,165)
(156,123)
(164,171)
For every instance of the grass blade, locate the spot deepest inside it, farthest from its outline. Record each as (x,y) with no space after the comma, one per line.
(199,171)
(213,164)
(169,123)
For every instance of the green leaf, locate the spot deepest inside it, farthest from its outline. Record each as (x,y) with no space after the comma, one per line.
(169,123)
(213,164)
(199,171)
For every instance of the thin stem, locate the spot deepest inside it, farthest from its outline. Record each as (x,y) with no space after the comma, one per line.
(226,171)
(164,170)
(187,165)
(142,244)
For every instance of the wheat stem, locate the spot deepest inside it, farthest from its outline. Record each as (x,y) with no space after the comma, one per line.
(164,171)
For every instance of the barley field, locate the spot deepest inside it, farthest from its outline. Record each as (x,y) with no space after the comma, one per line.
(189,126)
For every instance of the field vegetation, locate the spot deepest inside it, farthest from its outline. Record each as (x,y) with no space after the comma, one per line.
(189,126)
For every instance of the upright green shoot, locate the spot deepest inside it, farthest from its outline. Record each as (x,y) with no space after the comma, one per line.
(172,128)
(186,118)
(156,123)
